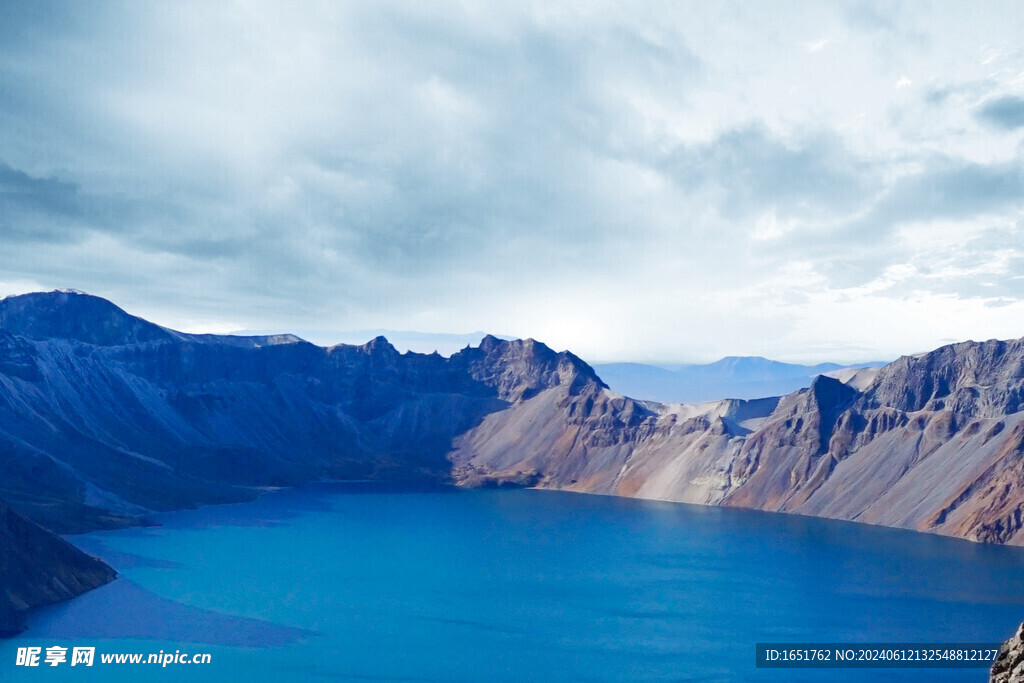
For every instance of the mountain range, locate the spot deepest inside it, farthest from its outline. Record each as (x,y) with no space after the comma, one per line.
(106,418)
(403,340)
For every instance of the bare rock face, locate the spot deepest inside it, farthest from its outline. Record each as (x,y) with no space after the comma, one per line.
(791,453)
(933,444)
(39,568)
(1009,664)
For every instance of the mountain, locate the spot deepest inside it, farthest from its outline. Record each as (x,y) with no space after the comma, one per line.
(39,568)
(76,316)
(71,315)
(743,377)
(933,442)
(101,427)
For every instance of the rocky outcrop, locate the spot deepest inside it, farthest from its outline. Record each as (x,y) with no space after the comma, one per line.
(39,568)
(1009,664)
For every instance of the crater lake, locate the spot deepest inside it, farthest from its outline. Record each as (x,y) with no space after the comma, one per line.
(370,582)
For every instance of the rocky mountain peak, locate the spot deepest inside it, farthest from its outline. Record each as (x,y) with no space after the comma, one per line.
(380,346)
(489,343)
(68,314)
(521,368)
(932,443)
(829,393)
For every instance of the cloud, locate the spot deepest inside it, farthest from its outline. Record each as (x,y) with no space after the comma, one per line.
(753,171)
(867,16)
(644,169)
(377,153)
(35,208)
(1006,113)
(951,188)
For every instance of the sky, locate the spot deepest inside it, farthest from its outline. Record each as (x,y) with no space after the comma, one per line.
(645,181)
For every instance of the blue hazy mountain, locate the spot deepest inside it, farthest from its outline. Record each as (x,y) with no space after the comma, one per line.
(744,377)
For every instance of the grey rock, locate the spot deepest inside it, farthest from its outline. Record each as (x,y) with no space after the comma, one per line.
(1009,664)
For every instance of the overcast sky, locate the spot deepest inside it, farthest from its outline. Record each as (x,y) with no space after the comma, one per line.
(670,181)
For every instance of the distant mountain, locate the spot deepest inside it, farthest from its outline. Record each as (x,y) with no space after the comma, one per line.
(744,377)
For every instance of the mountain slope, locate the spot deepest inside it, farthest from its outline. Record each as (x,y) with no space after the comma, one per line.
(935,443)
(118,428)
(38,568)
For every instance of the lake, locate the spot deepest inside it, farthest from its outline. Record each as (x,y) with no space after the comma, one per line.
(367,582)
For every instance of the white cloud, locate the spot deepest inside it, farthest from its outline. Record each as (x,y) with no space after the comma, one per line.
(656,180)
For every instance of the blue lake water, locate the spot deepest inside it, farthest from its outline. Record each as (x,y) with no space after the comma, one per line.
(363,582)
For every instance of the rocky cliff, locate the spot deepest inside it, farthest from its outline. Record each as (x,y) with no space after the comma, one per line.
(932,442)
(105,418)
(1009,664)
(38,568)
